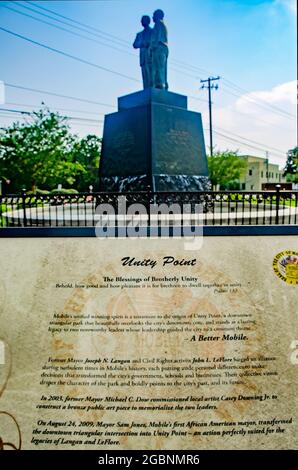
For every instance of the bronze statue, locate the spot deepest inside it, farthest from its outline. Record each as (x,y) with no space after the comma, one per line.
(153,45)
(143,42)
(160,51)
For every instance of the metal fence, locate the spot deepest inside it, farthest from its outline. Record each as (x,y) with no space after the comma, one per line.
(196,208)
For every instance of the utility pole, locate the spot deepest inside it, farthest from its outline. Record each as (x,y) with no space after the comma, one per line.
(210,86)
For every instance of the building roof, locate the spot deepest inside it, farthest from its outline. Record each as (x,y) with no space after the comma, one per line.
(259,160)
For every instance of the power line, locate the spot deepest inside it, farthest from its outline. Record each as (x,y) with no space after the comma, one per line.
(251,143)
(60,52)
(59,95)
(236,88)
(260,120)
(70,56)
(4,112)
(83,100)
(232,85)
(251,100)
(37,105)
(87,28)
(31,113)
(74,123)
(125,43)
(198,99)
(4,115)
(247,116)
(111,36)
(193,68)
(15,111)
(249,140)
(95,113)
(61,28)
(85,37)
(79,35)
(243,90)
(101,32)
(246,144)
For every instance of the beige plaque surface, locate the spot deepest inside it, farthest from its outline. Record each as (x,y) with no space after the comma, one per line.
(143,344)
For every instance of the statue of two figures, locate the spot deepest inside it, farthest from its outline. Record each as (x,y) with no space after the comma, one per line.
(153,45)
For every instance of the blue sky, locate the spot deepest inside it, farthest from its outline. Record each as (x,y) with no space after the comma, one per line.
(250,43)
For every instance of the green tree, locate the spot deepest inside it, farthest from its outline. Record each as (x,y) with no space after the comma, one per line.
(87,153)
(225,169)
(42,153)
(290,170)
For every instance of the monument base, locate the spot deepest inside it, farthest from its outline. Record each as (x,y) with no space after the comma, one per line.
(124,184)
(153,143)
(169,183)
(181,183)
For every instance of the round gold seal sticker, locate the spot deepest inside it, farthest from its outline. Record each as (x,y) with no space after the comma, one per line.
(285,265)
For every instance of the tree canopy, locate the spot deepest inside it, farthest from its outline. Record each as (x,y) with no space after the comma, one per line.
(42,153)
(225,169)
(290,170)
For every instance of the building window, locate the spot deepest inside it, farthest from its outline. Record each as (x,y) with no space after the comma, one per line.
(279,177)
(267,174)
(252,187)
(243,186)
(276,175)
(250,172)
(262,174)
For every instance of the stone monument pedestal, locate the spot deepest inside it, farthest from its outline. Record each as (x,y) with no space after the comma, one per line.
(153,143)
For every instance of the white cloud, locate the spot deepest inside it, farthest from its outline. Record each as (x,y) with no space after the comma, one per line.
(270,104)
(284,94)
(256,116)
(288,4)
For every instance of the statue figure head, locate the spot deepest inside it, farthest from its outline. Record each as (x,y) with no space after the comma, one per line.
(158,15)
(145,21)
